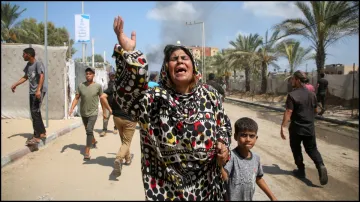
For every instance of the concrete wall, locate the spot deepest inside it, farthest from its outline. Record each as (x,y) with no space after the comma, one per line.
(16,105)
(340,86)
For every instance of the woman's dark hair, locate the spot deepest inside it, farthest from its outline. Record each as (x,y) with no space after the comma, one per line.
(245,124)
(29,51)
(169,49)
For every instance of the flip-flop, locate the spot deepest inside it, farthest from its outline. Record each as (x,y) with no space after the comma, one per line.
(87,157)
(131,158)
(31,142)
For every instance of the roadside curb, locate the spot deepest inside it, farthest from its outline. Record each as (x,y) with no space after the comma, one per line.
(355,125)
(13,156)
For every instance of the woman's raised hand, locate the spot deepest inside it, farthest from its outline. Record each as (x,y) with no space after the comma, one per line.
(128,44)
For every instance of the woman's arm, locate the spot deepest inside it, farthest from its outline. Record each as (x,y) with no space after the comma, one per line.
(130,79)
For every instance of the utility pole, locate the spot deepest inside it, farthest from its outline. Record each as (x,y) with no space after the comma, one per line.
(46,68)
(83,44)
(93,53)
(203,47)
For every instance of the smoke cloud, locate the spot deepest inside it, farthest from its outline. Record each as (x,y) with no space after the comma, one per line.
(173,17)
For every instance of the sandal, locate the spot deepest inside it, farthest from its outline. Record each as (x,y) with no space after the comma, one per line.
(31,142)
(87,157)
(94,144)
(131,158)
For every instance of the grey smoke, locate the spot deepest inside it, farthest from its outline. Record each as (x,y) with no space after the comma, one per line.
(173,16)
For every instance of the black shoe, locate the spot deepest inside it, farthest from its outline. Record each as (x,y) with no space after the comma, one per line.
(323,177)
(300,173)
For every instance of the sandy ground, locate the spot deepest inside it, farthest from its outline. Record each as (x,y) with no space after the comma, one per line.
(14,133)
(59,173)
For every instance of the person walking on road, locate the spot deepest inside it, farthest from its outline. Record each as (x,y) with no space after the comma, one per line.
(301,109)
(184,130)
(106,112)
(34,72)
(215,85)
(322,86)
(309,86)
(125,124)
(89,92)
(152,81)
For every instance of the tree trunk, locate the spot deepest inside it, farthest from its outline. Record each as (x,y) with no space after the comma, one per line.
(247,79)
(320,59)
(263,77)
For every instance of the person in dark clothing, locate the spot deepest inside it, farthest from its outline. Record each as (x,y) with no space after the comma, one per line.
(106,112)
(215,85)
(301,109)
(322,86)
(34,72)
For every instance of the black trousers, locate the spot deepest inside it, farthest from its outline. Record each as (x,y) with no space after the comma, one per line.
(309,143)
(35,109)
(321,99)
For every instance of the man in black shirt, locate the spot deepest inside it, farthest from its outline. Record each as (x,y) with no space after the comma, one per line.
(215,85)
(322,85)
(106,112)
(301,109)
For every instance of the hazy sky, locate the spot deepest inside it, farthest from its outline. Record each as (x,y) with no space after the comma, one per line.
(159,23)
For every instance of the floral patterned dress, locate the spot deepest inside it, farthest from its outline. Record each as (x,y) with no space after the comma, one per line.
(178,131)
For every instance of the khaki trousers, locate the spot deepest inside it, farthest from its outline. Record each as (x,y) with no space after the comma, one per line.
(126,131)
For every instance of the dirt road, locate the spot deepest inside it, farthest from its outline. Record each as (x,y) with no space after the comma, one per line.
(59,173)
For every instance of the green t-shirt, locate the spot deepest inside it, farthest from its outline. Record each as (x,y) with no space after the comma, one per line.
(89,95)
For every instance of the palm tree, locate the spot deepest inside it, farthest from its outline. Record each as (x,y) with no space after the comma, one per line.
(219,62)
(324,23)
(241,57)
(9,15)
(295,54)
(267,55)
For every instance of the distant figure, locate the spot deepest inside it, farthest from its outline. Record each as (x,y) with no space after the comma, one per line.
(309,86)
(152,81)
(322,86)
(105,111)
(215,85)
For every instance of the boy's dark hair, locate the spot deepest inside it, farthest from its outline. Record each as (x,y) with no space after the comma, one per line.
(29,51)
(322,75)
(245,124)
